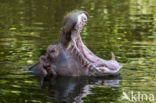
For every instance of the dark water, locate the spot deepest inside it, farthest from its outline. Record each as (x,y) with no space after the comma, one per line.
(126,27)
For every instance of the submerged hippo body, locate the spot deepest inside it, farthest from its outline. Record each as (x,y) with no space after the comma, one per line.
(70,57)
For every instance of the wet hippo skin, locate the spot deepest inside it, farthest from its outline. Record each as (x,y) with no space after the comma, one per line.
(70,57)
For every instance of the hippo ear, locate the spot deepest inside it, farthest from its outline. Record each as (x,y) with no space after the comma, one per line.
(37,71)
(42,59)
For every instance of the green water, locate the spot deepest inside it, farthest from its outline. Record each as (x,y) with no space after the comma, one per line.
(126,27)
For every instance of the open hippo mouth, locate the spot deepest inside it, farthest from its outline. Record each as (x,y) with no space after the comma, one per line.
(105,66)
(70,57)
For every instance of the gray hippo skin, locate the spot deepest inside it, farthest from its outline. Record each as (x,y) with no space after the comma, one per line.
(70,57)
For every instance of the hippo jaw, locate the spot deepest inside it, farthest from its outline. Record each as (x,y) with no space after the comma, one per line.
(85,55)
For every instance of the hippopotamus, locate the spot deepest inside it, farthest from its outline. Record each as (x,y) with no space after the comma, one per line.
(70,56)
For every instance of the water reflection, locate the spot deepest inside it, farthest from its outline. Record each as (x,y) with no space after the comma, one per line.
(73,89)
(126,27)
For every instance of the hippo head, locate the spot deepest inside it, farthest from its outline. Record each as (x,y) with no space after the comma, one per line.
(71,57)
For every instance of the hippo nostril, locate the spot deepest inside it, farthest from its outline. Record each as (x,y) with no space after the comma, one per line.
(84,19)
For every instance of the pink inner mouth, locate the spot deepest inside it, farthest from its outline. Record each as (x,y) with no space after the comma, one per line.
(91,57)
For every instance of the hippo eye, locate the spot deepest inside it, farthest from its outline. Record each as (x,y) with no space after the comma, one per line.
(53,50)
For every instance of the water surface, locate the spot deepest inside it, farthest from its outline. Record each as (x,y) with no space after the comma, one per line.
(126,27)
